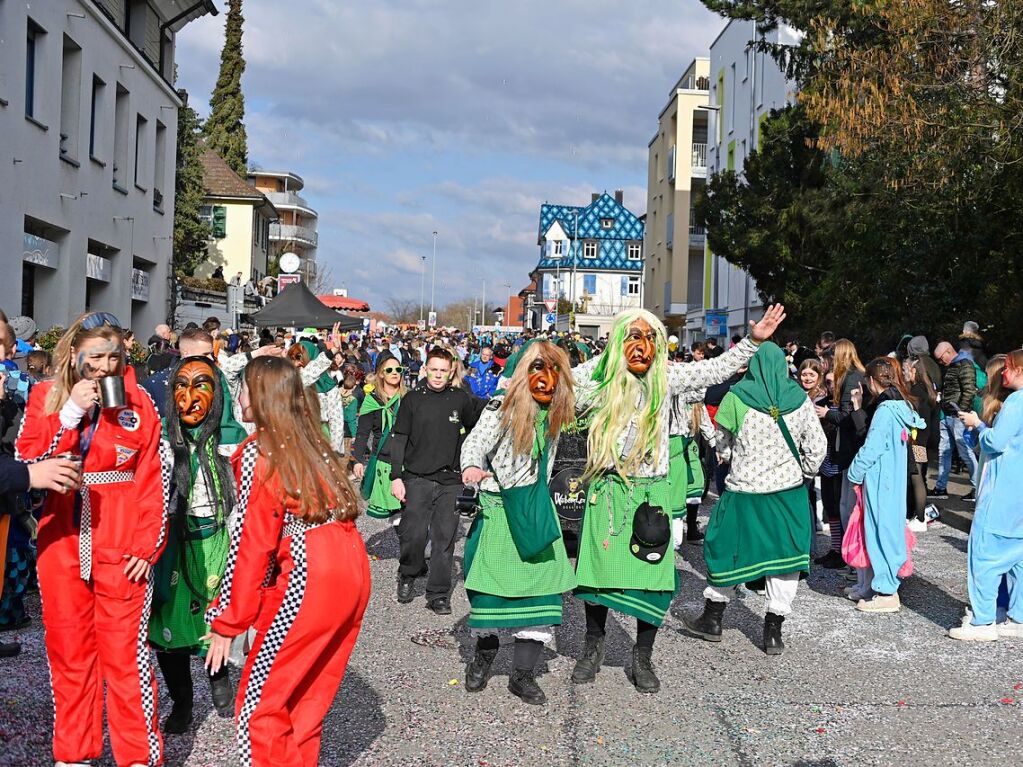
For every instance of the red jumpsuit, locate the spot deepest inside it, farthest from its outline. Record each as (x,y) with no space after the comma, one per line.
(304,589)
(96,620)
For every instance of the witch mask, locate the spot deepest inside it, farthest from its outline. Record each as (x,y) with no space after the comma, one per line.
(194,387)
(543,380)
(640,345)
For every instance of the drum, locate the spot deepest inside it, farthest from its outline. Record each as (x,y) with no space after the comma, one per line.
(566,487)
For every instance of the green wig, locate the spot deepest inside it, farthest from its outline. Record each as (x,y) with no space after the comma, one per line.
(619,393)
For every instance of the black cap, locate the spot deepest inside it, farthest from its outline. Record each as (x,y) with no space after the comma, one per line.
(651,533)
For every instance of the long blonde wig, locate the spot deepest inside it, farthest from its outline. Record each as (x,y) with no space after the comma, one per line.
(65,371)
(519,409)
(846,359)
(619,394)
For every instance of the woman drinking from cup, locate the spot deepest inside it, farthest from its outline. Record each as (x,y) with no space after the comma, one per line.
(97,545)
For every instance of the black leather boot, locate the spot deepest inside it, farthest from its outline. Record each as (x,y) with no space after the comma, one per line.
(522,684)
(177,674)
(477,671)
(588,665)
(693,534)
(708,625)
(772,634)
(222,692)
(641,672)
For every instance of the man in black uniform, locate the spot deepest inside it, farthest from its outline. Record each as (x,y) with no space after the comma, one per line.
(426,445)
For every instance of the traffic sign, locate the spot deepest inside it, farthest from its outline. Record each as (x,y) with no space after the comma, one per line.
(551,304)
(550,319)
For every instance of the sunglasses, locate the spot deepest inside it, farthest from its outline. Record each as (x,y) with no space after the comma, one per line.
(98,320)
(398,369)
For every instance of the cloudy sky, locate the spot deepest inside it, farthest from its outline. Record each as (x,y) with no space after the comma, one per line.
(409,116)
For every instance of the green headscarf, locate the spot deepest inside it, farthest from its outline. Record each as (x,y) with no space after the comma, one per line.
(324,383)
(766,387)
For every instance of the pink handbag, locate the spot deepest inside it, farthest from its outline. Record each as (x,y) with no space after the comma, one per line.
(854,546)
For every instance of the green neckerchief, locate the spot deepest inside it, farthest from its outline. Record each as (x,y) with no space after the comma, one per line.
(371,404)
(766,387)
(540,438)
(324,383)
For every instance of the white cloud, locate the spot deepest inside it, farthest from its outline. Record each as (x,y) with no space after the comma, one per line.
(412,116)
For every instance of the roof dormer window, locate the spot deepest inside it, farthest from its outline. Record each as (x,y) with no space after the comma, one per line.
(607,223)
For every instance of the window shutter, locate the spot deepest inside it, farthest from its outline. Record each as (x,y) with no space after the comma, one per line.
(625,286)
(219,222)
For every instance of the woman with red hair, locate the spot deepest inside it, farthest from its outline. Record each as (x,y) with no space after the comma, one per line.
(297,571)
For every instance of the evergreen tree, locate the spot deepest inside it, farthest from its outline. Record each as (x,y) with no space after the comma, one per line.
(191,233)
(225,127)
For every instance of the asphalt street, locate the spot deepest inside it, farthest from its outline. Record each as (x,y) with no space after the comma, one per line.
(851,689)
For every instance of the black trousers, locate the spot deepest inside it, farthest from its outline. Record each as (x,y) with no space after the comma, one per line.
(430,514)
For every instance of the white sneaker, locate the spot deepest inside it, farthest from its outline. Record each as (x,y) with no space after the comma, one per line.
(917,525)
(880,603)
(970,633)
(1010,629)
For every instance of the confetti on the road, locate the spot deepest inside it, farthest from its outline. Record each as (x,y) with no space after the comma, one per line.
(1007,701)
(452,681)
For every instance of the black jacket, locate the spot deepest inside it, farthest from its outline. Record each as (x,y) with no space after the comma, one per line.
(426,441)
(851,424)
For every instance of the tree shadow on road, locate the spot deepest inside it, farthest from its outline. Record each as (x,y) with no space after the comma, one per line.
(353,723)
(959,543)
(932,602)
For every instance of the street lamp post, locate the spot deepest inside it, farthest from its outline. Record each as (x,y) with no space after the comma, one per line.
(433,279)
(422,288)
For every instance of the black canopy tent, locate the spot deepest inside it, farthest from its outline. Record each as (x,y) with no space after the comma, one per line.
(297,307)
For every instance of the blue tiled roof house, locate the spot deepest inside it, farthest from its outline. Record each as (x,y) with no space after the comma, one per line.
(596,252)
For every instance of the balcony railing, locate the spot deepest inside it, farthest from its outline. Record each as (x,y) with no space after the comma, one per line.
(288,199)
(700,157)
(303,235)
(697,231)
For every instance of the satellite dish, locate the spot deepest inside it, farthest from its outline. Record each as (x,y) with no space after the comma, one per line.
(290,262)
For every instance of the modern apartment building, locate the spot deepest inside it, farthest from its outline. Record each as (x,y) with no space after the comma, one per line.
(88,126)
(592,256)
(295,230)
(745,85)
(677,171)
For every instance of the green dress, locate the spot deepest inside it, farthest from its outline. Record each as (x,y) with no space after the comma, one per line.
(381,501)
(516,566)
(753,535)
(187,576)
(607,571)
